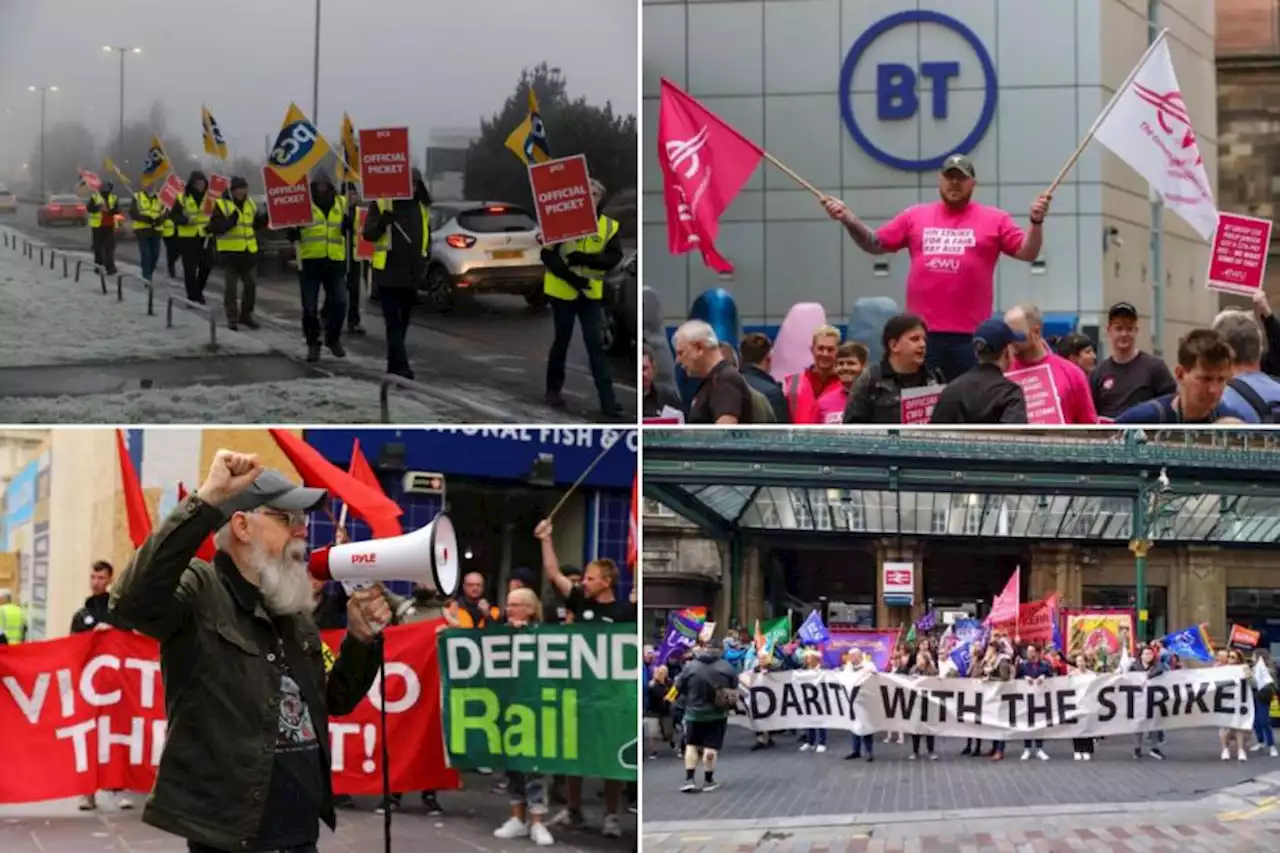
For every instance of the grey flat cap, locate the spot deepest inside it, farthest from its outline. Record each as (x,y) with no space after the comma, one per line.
(273,489)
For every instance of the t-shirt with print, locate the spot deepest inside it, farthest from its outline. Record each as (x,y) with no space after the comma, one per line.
(723,392)
(292,814)
(1119,386)
(951,282)
(586,610)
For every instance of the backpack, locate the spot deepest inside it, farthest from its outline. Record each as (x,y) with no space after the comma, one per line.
(1267,412)
(761,411)
(726,698)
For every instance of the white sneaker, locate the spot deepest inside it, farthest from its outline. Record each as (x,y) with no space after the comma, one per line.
(88,803)
(1088,756)
(888,738)
(687,788)
(1255,747)
(1026,754)
(1226,753)
(804,747)
(123,802)
(822,747)
(541,835)
(1042,755)
(513,828)
(1274,752)
(933,756)
(1079,756)
(912,757)
(1241,755)
(611,828)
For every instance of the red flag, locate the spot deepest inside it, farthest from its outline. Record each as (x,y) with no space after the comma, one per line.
(378,511)
(135,503)
(633,534)
(1005,607)
(705,164)
(360,469)
(207,548)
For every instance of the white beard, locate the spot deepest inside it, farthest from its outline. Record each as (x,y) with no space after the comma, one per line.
(284,582)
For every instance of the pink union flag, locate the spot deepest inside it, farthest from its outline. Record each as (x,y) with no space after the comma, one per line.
(1005,607)
(1147,126)
(705,164)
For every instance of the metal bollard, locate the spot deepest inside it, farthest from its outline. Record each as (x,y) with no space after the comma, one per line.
(168,320)
(151,300)
(102,277)
(384,402)
(42,256)
(213,331)
(120,288)
(53,258)
(64,266)
(79,264)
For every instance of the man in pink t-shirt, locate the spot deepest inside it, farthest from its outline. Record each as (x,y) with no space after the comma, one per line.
(1075,397)
(954,244)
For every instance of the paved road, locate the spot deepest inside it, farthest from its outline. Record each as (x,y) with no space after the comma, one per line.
(470,817)
(496,342)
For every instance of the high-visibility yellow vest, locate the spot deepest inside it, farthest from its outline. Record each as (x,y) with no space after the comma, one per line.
(95,219)
(383,246)
(195,217)
(13,622)
(554,286)
(241,237)
(323,238)
(167,228)
(147,206)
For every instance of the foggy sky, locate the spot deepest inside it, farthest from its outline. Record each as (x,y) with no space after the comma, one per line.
(428,64)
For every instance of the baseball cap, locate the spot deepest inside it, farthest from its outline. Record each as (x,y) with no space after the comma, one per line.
(1122,309)
(994,335)
(958,163)
(272,489)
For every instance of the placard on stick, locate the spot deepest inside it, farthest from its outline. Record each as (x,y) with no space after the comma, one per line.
(288,205)
(384,163)
(364,249)
(1238,256)
(172,187)
(217,188)
(1044,407)
(562,199)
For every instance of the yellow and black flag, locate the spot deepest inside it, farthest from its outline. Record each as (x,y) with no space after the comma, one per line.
(299,147)
(215,144)
(529,140)
(350,151)
(157,165)
(113,169)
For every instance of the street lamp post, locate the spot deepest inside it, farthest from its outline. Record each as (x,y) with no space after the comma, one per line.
(315,73)
(1154,503)
(122,51)
(44,94)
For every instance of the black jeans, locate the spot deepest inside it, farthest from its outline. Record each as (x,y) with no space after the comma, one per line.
(172,254)
(915,744)
(950,352)
(104,249)
(195,266)
(323,275)
(240,267)
(355,276)
(587,313)
(193,847)
(397,307)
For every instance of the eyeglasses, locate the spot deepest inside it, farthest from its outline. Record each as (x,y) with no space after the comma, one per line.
(291,520)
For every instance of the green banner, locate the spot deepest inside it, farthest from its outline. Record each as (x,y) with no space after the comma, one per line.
(552,699)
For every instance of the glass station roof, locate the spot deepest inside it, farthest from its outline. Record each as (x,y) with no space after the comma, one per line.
(979,486)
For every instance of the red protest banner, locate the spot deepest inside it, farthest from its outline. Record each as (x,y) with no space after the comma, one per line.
(384,163)
(1043,405)
(218,185)
(169,192)
(86,713)
(918,403)
(1238,258)
(562,199)
(288,205)
(1035,621)
(364,249)
(1243,638)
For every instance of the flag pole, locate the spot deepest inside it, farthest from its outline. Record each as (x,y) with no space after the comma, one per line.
(790,173)
(583,476)
(1106,111)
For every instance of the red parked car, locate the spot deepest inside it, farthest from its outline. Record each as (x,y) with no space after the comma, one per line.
(63,210)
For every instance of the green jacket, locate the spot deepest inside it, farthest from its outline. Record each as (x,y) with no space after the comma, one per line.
(221,692)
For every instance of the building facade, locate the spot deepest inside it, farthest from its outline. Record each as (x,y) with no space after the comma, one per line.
(840,91)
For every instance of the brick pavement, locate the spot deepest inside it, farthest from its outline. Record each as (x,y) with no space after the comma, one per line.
(471,816)
(784,783)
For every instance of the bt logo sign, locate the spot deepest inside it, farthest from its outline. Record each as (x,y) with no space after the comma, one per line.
(896,85)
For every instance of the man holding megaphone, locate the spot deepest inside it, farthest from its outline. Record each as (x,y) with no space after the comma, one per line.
(248,692)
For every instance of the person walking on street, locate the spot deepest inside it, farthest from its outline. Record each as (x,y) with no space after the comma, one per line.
(13,621)
(322,251)
(103,208)
(169,233)
(147,214)
(401,234)
(188,214)
(354,268)
(574,286)
(234,224)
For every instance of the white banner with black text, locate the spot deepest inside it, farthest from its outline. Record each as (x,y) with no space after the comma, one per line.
(1065,707)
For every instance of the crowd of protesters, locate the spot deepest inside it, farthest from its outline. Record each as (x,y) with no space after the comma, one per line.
(690,697)
(1223,374)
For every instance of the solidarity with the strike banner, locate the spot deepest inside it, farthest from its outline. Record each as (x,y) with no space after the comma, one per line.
(86,713)
(1074,706)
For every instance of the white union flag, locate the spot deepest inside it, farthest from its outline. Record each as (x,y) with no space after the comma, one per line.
(1147,126)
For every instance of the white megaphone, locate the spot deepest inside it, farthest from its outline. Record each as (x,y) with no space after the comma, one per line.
(427,556)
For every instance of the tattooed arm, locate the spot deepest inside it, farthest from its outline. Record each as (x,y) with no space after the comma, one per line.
(858,230)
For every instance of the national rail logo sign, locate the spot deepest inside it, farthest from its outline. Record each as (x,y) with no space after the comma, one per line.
(901,94)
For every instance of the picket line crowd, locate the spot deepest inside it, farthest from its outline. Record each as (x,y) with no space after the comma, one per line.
(691,696)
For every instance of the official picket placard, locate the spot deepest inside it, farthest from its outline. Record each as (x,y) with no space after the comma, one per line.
(86,713)
(364,249)
(1067,707)
(1044,408)
(1238,257)
(384,163)
(552,699)
(218,185)
(288,205)
(918,403)
(562,199)
(169,191)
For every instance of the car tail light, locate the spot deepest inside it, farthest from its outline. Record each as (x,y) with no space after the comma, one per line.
(55,208)
(460,241)
(81,209)
(495,209)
